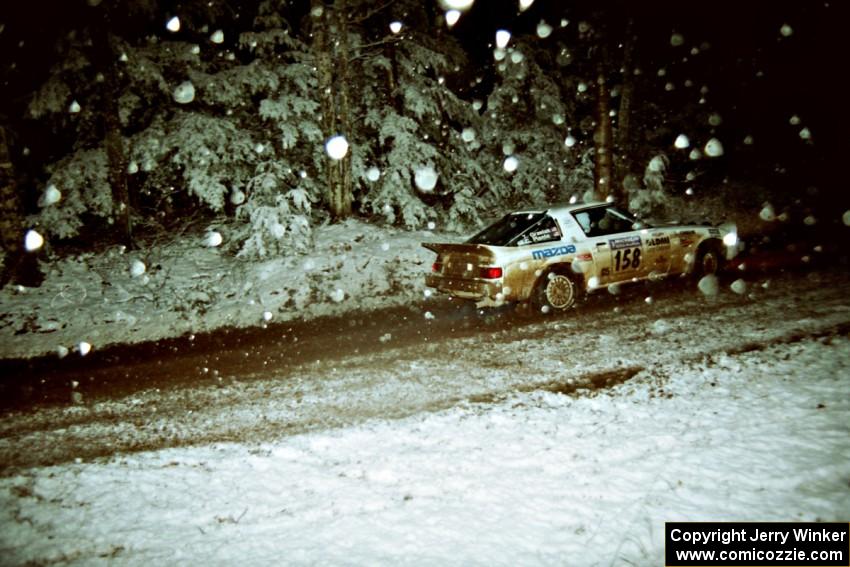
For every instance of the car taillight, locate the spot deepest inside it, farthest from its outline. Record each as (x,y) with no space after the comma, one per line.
(490,273)
(437,267)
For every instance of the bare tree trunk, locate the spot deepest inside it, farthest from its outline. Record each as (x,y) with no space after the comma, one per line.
(117,160)
(338,204)
(626,100)
(346,191)
(602,139)
(105,56)
(19,266)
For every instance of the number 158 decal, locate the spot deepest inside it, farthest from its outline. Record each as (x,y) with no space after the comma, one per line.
(627,259)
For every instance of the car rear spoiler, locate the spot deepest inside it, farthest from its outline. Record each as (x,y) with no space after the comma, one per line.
(442,248)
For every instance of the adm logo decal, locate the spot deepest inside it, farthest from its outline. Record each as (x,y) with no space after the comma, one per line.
(549,252)
(658,241)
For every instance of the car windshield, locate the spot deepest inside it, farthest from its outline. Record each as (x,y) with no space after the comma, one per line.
(507,230)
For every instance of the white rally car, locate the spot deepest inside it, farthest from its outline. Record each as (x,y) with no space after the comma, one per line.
(549,257)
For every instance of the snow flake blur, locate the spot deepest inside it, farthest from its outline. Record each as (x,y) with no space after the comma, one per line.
(184,93)
(713,148)
(461,5)
(137,268)
(213,239)
(33,241)
(51,196)
(503,37)
(425,178)
(337,147)
(173,24)
(217,37)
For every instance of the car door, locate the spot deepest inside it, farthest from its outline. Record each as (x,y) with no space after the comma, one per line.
(616,245)
(658,252)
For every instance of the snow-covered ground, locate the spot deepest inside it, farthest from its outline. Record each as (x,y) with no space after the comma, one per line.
(505,446)
(539,478)
(186,286)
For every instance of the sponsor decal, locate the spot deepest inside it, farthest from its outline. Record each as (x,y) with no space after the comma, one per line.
(606,272)
(625,242)
(550,252)
(659,241)
(714,231)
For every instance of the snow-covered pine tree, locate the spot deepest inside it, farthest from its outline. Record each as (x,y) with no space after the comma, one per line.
(414,163)
(528,119)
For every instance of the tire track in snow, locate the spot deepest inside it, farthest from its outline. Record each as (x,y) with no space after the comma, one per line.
(609,338)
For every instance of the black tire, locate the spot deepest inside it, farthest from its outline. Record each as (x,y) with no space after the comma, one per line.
(555,291)
(709,261)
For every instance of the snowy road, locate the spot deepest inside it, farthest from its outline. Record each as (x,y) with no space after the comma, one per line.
(402,363)
(554,441)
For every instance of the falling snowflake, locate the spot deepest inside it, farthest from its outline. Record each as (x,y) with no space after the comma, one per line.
(137,268)
(84,348)
(677,39)
(682,142)
(510,164)
(462,5)
(173,24)
(51,196)
(33,241)
(74,108)
(503,37)
(713,148)
(708,285)
(845,218)
(805,134)
(786,30)
(337,295)
(767,213)
(426,178)
(525,5)
(544,30)
(395,27)
(373,173)
(452,17)
(337,147)
(570,141)
(213,239)
(237,197)
(739,286)
(467,135)
(217,36)
(184,93)
(267,316)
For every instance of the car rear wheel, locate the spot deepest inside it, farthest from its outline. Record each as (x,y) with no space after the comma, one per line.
(555,291)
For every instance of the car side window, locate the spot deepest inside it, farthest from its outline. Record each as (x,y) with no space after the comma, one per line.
(602,221)
(546,230)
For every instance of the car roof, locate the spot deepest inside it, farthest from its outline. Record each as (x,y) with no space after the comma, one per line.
(563,209)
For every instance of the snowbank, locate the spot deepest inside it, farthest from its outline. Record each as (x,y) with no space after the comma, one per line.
(187,286)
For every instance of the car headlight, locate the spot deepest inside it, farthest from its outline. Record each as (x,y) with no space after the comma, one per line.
(730,239)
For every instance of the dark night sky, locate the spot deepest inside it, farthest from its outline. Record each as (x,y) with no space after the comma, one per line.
(802,74)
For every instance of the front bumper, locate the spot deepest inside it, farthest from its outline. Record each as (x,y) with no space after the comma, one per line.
(477,289)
